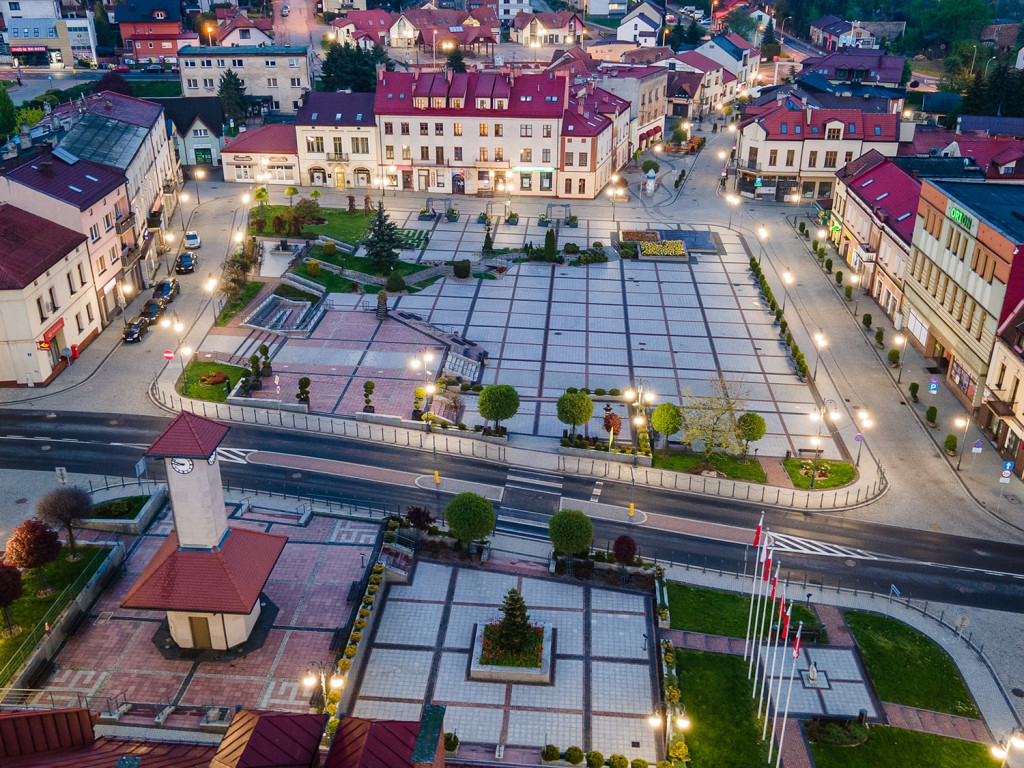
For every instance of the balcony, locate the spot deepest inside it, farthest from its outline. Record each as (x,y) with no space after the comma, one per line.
(337,157)
(125,223)
(748,165)
(866,252)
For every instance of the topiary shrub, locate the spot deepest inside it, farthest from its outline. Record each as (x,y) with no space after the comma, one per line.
(678,752)
(550,752)
(313,268)
(618,761)
(461,269)
(638,762)
(866,320)
(931,414)
(571,248)
(451,742)
(330,248)
(914,389)
(839,277)
(394,283)
(803,226)
(880,338)
(574,755)
(849,292)
(951,444)
(828,265)
(594,759)
(894,357)
(814,245)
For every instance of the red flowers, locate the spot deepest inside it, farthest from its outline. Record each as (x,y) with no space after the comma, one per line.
(492,654)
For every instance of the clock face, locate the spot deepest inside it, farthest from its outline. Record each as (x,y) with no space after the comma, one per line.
(182,466)
(212,460)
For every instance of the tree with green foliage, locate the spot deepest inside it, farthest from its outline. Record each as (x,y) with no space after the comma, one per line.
(650,165)
(742,23)
(11,588)
(470,517)
(291,192)
(711,419)
(574,409)
(694,34)
(29,116)
(498,402)
(306,210)
(348,66)
(232,97)
(488,240)
(381,241)
(768,38)
(106,34)
(456,62)
(550,246)
(571,532)
(750,427)
(676,37)
(667,419)
(261,196)
(514,632)
(8,116)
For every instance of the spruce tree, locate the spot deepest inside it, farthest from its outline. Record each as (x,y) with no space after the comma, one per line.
(455,61)
(381,241)
(768,38)
(694,33)
(232,97)
(488,241)
(8,116)
(550,246)
(514,632)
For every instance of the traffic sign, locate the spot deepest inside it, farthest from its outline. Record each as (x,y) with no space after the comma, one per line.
(933,388)
(978,445)
(1005,475)
(62,475)
(935,379)
(168,354)
(1008,466)
(858,437)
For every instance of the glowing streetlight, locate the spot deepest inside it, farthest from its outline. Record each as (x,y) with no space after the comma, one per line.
(961,423)
(787,280)
(733,201)
(820,342)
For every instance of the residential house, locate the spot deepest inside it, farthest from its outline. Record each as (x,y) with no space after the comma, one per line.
(1002,418)
(274,76)
(610,48)
(647,55)
(594,141)
(856,65)
(47,298)
(336,140)
(737,56)
(874,211)
(91,199)
(575,62)
(820,93)
(796,149)
(197,128)
(509,9)
(826,31)
(685,94)
(612,8)
(964,279)
(645,89)
(40,33)
(152,30)
(438,31)
(561,28)
(365,29)
(239,29)
(131,135)
(991,125)
(270,151)
(461,133)
(641,25)
(1001,159)
(1001,34)
(717,86)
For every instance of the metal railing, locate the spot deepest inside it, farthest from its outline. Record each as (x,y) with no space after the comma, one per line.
(125,223)
(43,698)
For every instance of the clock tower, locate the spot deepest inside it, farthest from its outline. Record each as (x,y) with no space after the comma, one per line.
(189,450)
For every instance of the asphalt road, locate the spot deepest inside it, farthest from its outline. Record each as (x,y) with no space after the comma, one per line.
(925,565)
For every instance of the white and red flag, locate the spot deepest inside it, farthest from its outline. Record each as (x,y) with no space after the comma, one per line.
(757,533)
(796,644)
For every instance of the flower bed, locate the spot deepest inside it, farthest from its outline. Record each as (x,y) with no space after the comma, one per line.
(493,655)
(666,248)
(639,236)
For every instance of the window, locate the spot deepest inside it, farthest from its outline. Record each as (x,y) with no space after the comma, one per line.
(101,264)
(237,63)
(583,187)
(457,129)
(458,154)
(526,131)
(315,144)
(499,154)
(526,155)
(88,311)
(389,152)
(526,181)
(191,83)
(220,63)
(405,129)
(295,82)
(568,158)
(545,181)
(437,103)
(439,155)
(499,104)
(53,299)
(773,157)
(851,128)
(71,284)
(206,63)
(78,321)
(784,129)
(406,152)
(814,130)
(271,82)
(244,34)
(15,6)
(270,62)
(94,232)
(830,159)
(293,63)
(962,378)
(546,131)
(439,129)
(833,134)
(798,129)
(200,133)
(456,103)
(81,275)
(584,157)
(878,130)
(423,129)
(484,128)
(108,222)
(568,186)
(790,156)
(243,172)
(1002,373)
(42,309)
(499,129)
(812,160)
(360,145)
(389,129)
(483,154)
(848,157)
(424,153)
(545,156)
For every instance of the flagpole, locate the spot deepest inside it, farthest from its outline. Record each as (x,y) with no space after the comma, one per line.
(762,610)
(766,682)
(778,690)
(757,610)
(753,584)
(789,693)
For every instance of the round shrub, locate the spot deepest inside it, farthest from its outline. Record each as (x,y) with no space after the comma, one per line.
(614,392)
(313,268)
(451,742)
(594,759)
(638,762)
(839,277)
(461,269)
(550,752)
(678,752)
(394,283)
(344,665)
(571,248)
(574,755)
(373,588)
(364,612)
(378,568)
(359,623)
(597,244)
(355,637)
(367,599)
(329,248)
(350,651)
(618,761)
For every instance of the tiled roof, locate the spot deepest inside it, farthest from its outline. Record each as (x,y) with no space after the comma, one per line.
(623,72)
(270,740)
(792,114)
(557,20)
(244,50)
(183,113)
(698,61)
(277,138)
(855,167)
(993,125)
(30,245)
(684,83)
(986,152)
(144,11)
(926,138)
(373,23)
(81,183)
(227,579)
(876,66)
(647,55)
(541,95)
(189,436)
(740,42)
(888,190)
(238,21)
(361,743)
(124,109)
(352,109)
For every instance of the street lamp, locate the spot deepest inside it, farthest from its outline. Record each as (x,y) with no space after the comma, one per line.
(961,423)
(855,281)
(865,423)
(124,290)
(821,234)
(317,672)
(986,65)
(820,342)
(640,397)
(733,201)
(200,174)
(901,340)
(826,411)
(614,192)
(183,198)
(762,235)
(209,34)
(422,360)
(435,49)
(787,280)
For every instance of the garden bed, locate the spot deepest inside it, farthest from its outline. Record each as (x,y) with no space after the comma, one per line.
(233,307)
(338,224)
(523,672)
(135,517)
(215,393)
(828,474)
(748,469)
(118,509)
(896,748)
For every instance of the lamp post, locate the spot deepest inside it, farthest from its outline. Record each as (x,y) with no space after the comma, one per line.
(901,339)
(964,424)
(733,201)
(613,193)
(865,423)
(820,342)
(209,34)
(182,198)
(986,65)
(783,27)
(787,279)
(640,397)
(200,175)
(183,351)
(855,281)
(435,49)
(762,235)
(975,56)
(827,410)
(317,672)
(422,360)
(124,290)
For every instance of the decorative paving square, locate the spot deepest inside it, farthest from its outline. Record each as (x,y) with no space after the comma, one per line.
(841,687)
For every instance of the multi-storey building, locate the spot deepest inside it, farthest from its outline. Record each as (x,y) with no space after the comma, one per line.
(1002,419)
(198,128)
(646,91)
(91,199)
(152,30)
(737,56)
(594,141)
(336,141)
(535,29)
(47,298)
(856,65)
(964,277)
(274,76)
(39,34)
(715,89)
(796,149)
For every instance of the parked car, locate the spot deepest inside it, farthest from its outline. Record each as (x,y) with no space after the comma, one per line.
(135,330)
(670,19)
(167,290)
(186,263)
(122,68)
(192,240)
(152,309)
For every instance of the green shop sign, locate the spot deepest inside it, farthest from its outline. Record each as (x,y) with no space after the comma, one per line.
(960,217)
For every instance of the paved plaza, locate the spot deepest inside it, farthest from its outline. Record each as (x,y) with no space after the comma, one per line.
(840,689)
(119,651)
(604,685)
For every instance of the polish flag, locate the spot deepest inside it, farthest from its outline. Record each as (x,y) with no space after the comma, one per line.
(775,581)
(757,533)
(796,644)
(768,564)
(785,618)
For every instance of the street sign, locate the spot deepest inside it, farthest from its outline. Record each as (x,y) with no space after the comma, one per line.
(978,445)
(168,354)
(933,388)
(935,380)
(1005,475)
(1008,466)
(62,475)
(140,467)
(858,437)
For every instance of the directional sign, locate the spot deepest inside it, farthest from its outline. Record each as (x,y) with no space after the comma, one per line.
(1008,466)
(168,354)
(978,445)
(1005,475)
(933,388)
(62,475)
(858,437)
(140,467)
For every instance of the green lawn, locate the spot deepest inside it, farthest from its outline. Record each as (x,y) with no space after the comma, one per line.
(694,609)
(143,89)
(216,393)
(235,306)
(288,291)
(341,225)
(739,469)
(716,692)
(28,610)
(908,668)
(362,263)
(413,239)
(895,748)
(334,283)
(119,509)
(839,473)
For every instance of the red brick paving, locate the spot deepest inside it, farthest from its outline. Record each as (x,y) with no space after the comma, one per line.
(286,595)
(776,473)
(795,752)
(225,691)
(148,687)
(296,562)
(938,723)
(324,606)
(832,618)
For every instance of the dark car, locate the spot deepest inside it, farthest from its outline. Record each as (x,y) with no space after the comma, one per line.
(187,263)
(152,309)
(167,290)
(135,330)
(154,69)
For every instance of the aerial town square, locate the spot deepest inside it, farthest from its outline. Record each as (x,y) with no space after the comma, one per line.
(479,383)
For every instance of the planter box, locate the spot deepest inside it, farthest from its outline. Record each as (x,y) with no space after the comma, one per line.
(512,222)
(453,218)
(425,217)
(572,224)
(621,458)
(542,675)
(135,525)
(544,223)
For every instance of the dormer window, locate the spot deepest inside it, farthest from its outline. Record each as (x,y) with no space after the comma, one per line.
(159,15)
(482,104)
(421,103)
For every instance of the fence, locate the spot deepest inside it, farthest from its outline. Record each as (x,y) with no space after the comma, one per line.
(40,698)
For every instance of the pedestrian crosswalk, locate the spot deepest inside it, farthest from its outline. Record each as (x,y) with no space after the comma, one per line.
(799,545)
(532,491)
(234,455)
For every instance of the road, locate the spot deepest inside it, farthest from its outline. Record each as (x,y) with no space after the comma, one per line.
(926,565)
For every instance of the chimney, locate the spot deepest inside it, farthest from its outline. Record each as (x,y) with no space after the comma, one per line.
(590,87)
(579,107)
(808,115)
(24,137)
(107,105)
(46,168)
(448,75)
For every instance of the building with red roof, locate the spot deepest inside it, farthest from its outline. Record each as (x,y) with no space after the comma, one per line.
(738,57)
(797,149)
(594,141)
(440,30)
(559,28)
(239,29)
(715,90)
(644,88)
(362,743)
(47,297)
(206,575)
(270,151)
(365,29)
(856,65)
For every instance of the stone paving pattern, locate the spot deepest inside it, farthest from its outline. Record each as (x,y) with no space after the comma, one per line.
(603,689)
(114,651)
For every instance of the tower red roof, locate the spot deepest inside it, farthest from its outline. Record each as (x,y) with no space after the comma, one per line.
(189,436)
(270,740)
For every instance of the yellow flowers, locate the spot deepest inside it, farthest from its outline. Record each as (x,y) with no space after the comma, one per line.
(666,248)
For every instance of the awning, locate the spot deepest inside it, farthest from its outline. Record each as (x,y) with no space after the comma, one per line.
(1000,409)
